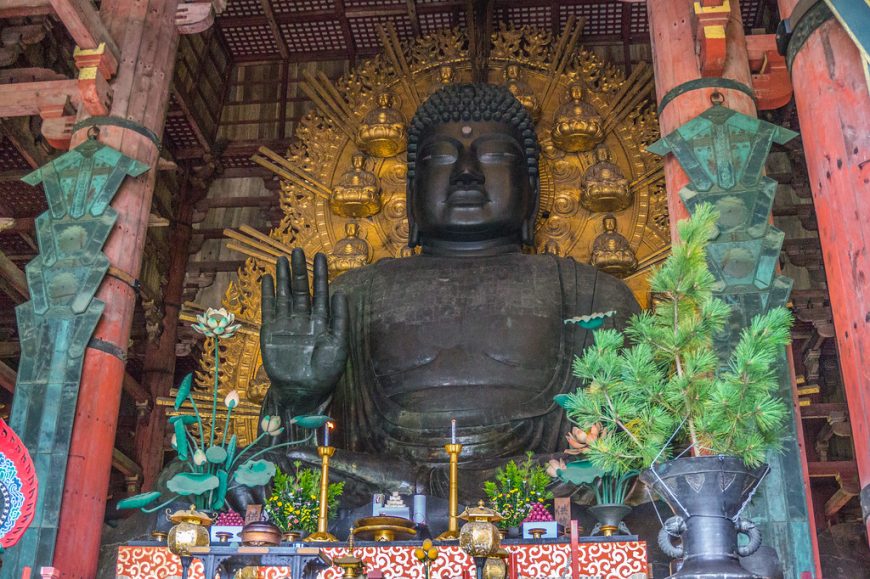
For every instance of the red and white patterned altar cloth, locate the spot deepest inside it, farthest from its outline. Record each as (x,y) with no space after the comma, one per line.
(605,560)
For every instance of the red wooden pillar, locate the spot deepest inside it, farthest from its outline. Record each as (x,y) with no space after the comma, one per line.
(159,365)
(146,35)
(833,106)
(673,27)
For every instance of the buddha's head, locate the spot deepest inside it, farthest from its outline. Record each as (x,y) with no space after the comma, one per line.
(385,99)
(472,168)
(358,160)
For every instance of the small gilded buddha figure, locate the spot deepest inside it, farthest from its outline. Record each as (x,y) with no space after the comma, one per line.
(576,125)
(521,90)
(349,253)
(446,77)
(358,193)
(611,252)
(382,132)
(604,187)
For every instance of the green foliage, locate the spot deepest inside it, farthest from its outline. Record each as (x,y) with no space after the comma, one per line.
(516,488)
(665,389)
(294,503)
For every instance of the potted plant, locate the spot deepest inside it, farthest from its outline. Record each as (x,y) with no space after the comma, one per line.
(665,394)
(516,488)
(294,503)
(213,465)
(611,492)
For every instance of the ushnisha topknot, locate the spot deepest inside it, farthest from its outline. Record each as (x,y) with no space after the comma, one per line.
(475,102)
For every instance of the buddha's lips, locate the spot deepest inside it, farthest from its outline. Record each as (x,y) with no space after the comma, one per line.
(467,198)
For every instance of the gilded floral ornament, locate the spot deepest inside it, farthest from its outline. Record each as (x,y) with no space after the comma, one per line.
(216,323)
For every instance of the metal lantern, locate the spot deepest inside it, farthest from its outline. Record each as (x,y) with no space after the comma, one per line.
(496,565)
(190,530)
(479,537)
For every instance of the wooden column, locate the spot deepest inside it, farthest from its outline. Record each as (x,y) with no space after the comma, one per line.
(147,38)
(672,32)
(159,365)
(833,108)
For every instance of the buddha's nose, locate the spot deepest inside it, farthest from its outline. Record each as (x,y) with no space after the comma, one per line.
(467,171)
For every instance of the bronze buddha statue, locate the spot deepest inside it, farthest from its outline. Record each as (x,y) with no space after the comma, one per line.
(470,328)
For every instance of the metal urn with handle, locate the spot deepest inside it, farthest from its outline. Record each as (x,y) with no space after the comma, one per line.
(707,495)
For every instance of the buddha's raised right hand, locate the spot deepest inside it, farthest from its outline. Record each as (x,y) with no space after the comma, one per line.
(303,341)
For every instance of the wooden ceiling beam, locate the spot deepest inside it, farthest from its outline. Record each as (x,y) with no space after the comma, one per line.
(7,378)
(83,22)
(196,267)
(236,202)
(24,8)
(14,278)
(24,142)
(22,99)
(124,464)
(276,30)
(135,390)
(9,350)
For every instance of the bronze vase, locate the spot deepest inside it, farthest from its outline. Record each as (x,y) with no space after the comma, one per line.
(707,495)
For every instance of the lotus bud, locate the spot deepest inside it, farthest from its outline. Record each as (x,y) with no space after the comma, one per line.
(232,399)
(271,425)
(199,457)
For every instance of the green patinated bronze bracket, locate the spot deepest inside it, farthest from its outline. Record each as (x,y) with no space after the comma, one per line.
(723,152)
(56,325)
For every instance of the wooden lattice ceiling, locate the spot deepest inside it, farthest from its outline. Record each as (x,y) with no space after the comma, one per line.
(262,30)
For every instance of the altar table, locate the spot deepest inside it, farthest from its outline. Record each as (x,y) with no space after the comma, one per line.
(605,559)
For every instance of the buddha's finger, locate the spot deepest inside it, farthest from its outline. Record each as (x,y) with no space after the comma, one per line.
(340,317)
(299,285)
(320,309)
(268,299)
(282,279)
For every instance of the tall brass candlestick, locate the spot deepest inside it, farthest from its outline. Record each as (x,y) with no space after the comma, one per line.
(452,531)
(322,534)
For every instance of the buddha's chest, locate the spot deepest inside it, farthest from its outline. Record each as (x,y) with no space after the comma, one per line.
(466,317)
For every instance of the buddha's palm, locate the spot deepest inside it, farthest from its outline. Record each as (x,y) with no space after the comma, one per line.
(303,341)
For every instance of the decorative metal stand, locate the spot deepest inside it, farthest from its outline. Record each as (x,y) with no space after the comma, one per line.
(322,534)
(452,532)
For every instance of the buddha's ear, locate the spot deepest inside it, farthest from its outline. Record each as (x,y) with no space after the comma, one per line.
(413,233)
(527,232)
(413,230)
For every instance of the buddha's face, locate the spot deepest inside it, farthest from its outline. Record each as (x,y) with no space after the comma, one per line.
(471,183)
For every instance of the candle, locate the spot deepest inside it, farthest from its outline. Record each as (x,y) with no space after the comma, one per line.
(326,428)
(453,431)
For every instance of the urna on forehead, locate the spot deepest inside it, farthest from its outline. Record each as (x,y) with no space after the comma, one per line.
(474,102)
